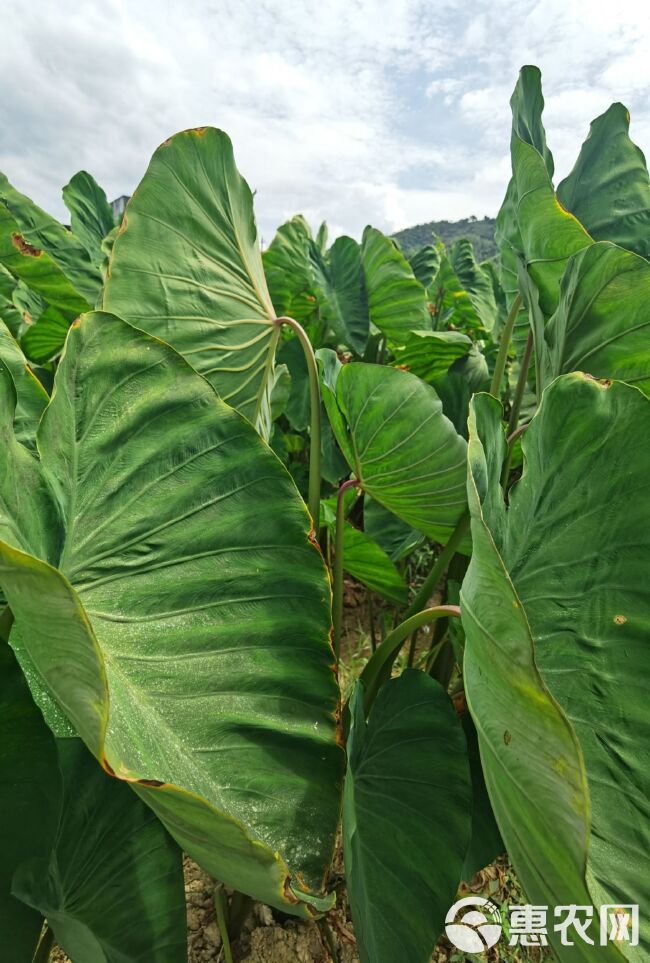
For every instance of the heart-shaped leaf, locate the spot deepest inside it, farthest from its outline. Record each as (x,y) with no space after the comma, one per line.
(401,448)
(186,267)
(396,300)
(185,629)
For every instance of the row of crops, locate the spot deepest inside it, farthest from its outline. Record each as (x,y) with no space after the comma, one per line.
(172,401)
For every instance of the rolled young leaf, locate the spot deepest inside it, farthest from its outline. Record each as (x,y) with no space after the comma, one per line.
(186,267)
(406,817)
(185,629)
(555,663)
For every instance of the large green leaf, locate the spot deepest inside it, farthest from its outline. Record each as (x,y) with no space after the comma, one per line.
(31,397)
(39,229)
(549,234)
(110,882)
(342,281)
(406,817)
(400,446)
(185,630)
(186,267)
(91,215)
(29,779)
(602,322)
(396,300)
(288,270)
(429,354)
(551,616)
(608,189)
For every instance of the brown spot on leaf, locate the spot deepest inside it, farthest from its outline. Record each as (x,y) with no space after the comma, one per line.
(603,382)
(76,322)
(620,619)
(288,892)
(507,738)
(24,247)
(154,783)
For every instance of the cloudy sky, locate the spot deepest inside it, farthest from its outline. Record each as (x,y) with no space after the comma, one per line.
(390,112)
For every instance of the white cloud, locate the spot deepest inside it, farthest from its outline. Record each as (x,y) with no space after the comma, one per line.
(383,111)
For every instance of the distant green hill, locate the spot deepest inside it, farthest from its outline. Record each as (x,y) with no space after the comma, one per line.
(479,232)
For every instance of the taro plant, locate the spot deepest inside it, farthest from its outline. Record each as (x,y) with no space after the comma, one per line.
(170,629)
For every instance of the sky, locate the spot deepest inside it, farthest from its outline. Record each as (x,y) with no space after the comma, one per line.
(382,112)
